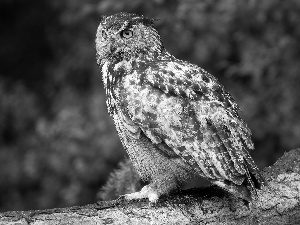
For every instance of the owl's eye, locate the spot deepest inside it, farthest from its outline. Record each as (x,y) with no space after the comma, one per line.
(126,33)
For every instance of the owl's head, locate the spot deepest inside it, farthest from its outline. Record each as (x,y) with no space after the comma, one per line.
(125,36)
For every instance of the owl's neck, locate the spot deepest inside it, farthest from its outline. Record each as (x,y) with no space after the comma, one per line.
(113,69)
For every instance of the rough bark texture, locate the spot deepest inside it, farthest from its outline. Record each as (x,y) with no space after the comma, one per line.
(279,203)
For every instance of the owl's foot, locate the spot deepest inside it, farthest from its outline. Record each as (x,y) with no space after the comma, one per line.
(146,192)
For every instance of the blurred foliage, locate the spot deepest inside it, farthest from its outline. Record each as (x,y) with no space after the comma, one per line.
(123,180)
(57,142)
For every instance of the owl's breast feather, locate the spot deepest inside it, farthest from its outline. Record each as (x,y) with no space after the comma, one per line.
(152,109)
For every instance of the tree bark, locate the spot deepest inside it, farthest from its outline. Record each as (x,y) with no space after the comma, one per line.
(279,203)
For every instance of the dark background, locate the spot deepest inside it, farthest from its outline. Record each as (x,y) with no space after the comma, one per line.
(57,142)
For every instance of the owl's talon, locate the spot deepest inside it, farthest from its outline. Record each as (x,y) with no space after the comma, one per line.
(153,197)
(121,198)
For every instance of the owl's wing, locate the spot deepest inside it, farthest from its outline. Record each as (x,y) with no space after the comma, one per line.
(184,107)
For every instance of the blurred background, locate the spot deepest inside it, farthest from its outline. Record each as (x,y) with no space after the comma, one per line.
(57,142)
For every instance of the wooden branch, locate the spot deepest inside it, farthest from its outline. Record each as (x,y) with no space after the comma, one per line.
(279,203)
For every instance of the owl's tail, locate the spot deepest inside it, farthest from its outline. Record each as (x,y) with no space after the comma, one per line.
(254,180)
(247,189)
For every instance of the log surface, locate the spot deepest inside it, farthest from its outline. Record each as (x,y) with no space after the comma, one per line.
(279,203)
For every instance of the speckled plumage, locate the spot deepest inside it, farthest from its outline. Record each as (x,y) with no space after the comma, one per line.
(174,119)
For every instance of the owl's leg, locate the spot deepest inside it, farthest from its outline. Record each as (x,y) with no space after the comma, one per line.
(164,171)
(163,184)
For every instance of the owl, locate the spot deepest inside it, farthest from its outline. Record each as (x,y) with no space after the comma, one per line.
(175,120)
